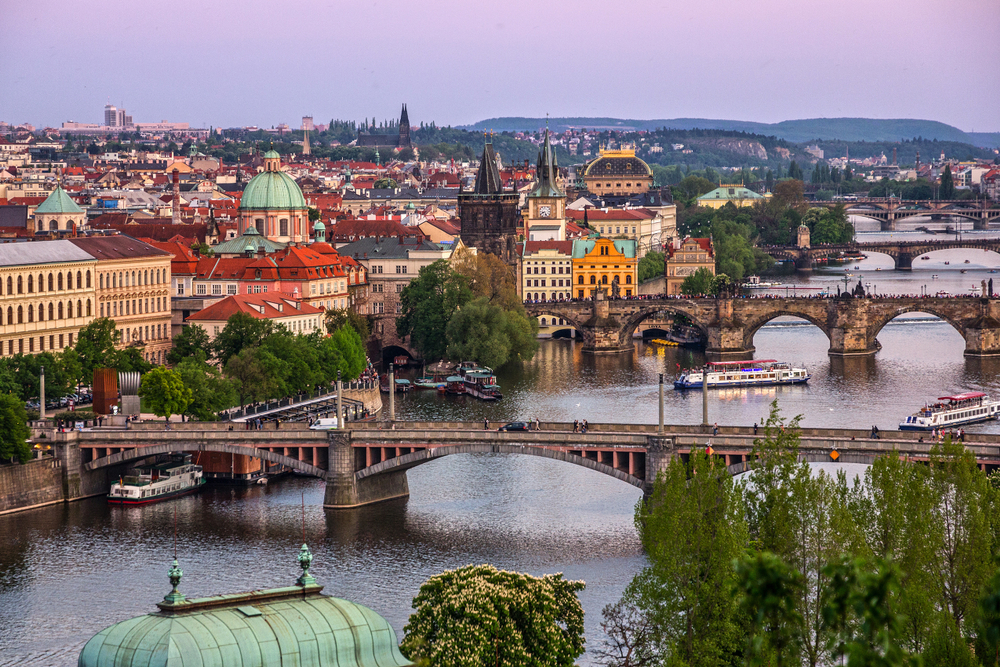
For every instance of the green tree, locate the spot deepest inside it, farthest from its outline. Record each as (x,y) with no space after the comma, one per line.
(95,346)
(795,171)
(651,266)
(242,330)
(191,341)
(71,366)
(947,190)
(164,392)
(131,360)
(946,646)
(478,616)
(483,332)
(488,276)
(692,529)
(428,303)
(384,183)
(247,374)
(342,351)
(769,588)
(699,282)
(14,431)
(338,317)
(314,214)
(211,392)
(988,623)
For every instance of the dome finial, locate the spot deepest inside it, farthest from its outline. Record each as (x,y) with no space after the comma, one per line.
(305,559)
(174,596)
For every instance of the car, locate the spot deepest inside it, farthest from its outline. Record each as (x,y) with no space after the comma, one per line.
(514,426)
(324,424)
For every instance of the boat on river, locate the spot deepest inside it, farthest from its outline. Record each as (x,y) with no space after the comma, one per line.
(685,335)
(483,385)
(159,481)
(952,411)
(754,282)
(430,382)
(749,373)
(454,385)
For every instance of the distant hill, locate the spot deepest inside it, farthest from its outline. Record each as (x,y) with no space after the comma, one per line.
(798,131)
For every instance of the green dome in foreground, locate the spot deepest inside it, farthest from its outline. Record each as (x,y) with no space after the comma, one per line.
(270,191)
(296,625)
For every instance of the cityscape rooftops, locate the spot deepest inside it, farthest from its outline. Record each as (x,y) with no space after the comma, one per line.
(42,252)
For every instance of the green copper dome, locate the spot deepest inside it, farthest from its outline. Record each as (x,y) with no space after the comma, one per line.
(272,190)
(271,154)
(58,202)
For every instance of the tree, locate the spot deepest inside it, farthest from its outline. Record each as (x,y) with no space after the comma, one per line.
(478,616)
(947,190)
(794,171)
(247,374)
(946,646)
(482,332)
(651,266)
(343,351)
(988,623)
(191,341)
(14,431)
(629,637)
(164,392)
(488,276)
(338,317)
(428,303)
(768,590)
(242,330)
(699,282)
(131,360)
(692,529)
(95,346)
(314,214)
(211,392)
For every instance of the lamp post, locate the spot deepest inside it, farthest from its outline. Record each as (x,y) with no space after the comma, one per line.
(340,405)
(661,404)
(41,392)
(392,394)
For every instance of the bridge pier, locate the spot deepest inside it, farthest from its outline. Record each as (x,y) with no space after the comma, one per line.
(804,263)
(888,224)
(981,223)
(659,453)
(904,262)
(344,490)
(982,337)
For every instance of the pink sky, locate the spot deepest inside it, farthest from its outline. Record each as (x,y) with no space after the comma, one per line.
(227,63)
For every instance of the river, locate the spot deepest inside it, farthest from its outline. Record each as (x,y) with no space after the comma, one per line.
(68,571)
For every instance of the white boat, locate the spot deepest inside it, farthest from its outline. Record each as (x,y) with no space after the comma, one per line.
(754,282)
(482,385)
(952,411)
(159,481)
(753,372)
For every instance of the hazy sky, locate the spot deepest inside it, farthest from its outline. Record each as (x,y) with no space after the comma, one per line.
(243,62)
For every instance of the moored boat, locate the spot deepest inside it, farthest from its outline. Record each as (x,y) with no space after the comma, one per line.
(483,385)
(455,385)
(951,411)
(749,373)
(428,382)
(156,482)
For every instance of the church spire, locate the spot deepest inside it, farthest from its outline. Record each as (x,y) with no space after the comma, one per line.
(488,177)
(547,171)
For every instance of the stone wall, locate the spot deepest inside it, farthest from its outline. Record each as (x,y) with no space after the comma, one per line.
(35,483)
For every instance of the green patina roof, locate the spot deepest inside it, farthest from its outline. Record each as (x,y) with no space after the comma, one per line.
(249,240)
(272,190)
(272,154)
(582,246)
(295,625)
(58,202)
(727,193)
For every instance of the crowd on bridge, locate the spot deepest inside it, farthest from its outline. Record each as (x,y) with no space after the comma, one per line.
(819,295)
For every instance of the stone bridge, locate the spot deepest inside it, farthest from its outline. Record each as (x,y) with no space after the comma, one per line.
(728,325)
(903,252)
(368,463)
(889,211)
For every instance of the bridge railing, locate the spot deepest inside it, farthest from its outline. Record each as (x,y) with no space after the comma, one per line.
(277,404)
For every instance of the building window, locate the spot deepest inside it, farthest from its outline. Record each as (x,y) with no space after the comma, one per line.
(180,288)
(400,269)
(216,289)
(399,287)
(230,289)
(200,289)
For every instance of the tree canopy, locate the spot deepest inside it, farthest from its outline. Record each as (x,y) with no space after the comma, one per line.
(428,303)
(14,431)
(164,392)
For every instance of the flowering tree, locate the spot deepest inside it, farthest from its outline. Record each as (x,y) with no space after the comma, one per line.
(478,616)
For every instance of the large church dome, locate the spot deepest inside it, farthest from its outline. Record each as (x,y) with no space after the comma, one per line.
(272,189)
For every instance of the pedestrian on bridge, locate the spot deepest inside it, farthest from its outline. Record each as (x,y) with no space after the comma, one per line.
(715,429)
(486,424)
(755,429)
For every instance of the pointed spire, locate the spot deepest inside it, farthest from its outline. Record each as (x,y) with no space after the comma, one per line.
(488,176)
(174,596)
(547,171)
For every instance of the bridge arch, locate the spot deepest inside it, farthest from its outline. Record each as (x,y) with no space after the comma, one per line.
(751,328)
(552,309)
(634,320)
(413,459)
(137,453)
(923,307)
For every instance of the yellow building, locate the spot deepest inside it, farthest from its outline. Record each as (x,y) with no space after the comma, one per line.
(607,263)
(684,258)
(546,269)
(726,193)
(617,171)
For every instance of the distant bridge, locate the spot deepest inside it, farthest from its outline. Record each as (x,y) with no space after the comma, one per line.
(889,211)
(368,463)
(903,252)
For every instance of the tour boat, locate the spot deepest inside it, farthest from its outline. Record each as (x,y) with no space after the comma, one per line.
(925,257)
(754,282)
(455,385)
(951,411)
(160,481)
(753,372)
(401,385)
(427,382)
(482,385)
(967,262)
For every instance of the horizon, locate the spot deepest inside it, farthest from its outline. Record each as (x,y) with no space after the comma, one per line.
(211,66)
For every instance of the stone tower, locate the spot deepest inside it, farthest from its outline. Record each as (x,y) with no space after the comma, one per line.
(404,129)
(488,214)
(803,236)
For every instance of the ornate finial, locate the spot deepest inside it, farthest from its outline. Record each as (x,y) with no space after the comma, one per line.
(174,596)
(305,559)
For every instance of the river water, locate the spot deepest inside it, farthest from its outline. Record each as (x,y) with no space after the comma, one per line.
(68,571)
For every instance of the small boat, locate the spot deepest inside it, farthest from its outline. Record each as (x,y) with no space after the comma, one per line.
(993,271)
(947,263)
(665,343)
(430,382)
(455,385)
(963,270)
(749,373)
(685,335)
(156,482)
(933,276)
(966,262)
(925,257)
(951,411)
(483,385)
(401,385)
(754,282)
(856,267)
(943,294)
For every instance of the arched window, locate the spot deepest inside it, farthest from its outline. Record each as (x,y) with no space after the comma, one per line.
(10,284)
(31,284)
(20,285)
(52,311)
(543,322)
(79,308)
(101,281)
(69,310)
(283,227)
(88,307)
(59,281)
(628,280)
(31,313)
(604,280)
(145,277)
(69,279)
(88,278)
(580,280)
(79,282)
(102,310)
(60,310)
(20,315)
(41,225)
(593,280)
(133,278)
(10,314)
(53,226)
(41,285)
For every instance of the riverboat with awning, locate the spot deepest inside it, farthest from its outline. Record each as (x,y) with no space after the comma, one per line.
(750,373)
(160,481)
(952,411)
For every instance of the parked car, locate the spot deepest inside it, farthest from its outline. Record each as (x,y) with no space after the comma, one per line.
(514,426)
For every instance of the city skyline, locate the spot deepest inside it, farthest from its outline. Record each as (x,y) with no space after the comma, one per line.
(217,65)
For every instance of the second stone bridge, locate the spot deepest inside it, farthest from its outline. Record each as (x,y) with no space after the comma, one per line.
(728,325)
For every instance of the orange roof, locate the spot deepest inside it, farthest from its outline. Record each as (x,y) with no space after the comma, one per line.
(259,306)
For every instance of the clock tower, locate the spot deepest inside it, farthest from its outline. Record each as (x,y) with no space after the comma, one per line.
(545,215)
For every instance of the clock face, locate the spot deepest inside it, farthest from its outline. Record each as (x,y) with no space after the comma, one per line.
(544,211)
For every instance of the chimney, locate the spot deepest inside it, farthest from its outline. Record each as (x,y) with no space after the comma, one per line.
(176,220)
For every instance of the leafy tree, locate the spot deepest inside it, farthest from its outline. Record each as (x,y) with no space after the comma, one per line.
(191,341)
(338,317)
(344,352)
(14,431)
(8,380)
(651,266)
(26,373)
(384,183)
(947,190)
(291,362)
(692,529)
(242,330)
(72,368)
(699,282)
(768,589)
(314,214)
(164,392)
(428,303)
(794,171)
(988,623)
(479,616)
(946,646)
(488,276)
(95,346)
(629,637)
(131,360)
(247,374)
(211,392)
(692,187)
(481,331)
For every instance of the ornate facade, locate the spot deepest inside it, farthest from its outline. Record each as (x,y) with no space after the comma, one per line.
(488,214)
(618,172)
(273,204)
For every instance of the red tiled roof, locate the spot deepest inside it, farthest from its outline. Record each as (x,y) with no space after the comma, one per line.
(532,247)
(259,306)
